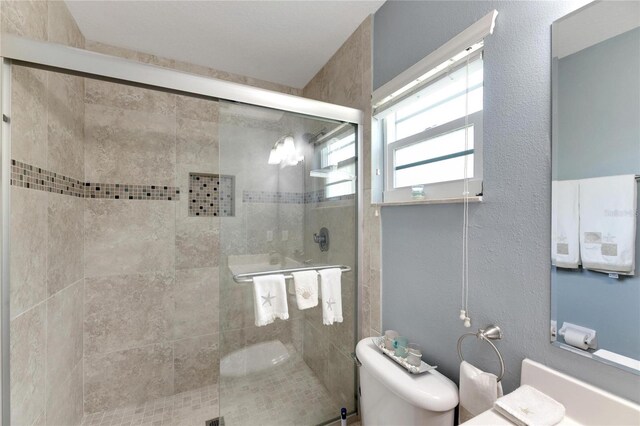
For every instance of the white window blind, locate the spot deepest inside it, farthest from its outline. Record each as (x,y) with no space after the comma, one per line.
(339,156)
(429,128)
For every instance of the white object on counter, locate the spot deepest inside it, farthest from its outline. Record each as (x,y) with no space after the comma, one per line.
(422,366)
(584,404)
(527,406)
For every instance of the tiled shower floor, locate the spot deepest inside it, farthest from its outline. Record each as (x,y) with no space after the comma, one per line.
(289,394)
(184,409)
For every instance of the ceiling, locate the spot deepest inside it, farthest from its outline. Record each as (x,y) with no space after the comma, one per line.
(284,42)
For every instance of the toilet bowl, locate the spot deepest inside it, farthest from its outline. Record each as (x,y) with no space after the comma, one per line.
(390,395)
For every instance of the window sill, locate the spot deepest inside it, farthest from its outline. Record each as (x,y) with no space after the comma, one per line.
(458,200)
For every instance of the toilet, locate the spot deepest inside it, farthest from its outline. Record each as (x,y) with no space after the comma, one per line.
(390,395)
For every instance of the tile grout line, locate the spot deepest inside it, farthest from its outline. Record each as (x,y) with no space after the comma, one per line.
(175,233)
(84,237)
(165,342)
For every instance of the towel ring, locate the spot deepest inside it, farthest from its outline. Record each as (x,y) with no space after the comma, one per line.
(492,332)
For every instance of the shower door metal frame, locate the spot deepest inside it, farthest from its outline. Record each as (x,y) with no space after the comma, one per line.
(70,60)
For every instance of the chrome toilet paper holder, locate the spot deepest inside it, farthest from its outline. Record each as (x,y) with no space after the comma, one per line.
(590,338)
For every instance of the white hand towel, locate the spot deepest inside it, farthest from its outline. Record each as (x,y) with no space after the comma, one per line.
(269,299)
(527,406)
(565,224)
(306,289)
(478,391)
(608,208)
(331,287)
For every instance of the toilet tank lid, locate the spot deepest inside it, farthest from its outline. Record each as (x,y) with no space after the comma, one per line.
(431,391)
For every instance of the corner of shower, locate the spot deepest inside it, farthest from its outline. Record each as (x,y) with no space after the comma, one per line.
(296,370)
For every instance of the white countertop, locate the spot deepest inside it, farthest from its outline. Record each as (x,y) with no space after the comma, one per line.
(584,404)
(493,418)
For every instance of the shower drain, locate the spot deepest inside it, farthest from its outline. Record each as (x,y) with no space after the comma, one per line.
(218,421)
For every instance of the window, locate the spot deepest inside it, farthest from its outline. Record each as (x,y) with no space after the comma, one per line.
(432,135)
(338,164)
(429,135)
(429,129)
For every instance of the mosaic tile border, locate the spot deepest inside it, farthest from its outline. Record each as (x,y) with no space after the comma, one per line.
(26,175)
(272,197)
(116,191)
(319,196)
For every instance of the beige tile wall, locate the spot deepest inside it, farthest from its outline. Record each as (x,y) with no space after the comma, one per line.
(125,115)
(346,80)
(47,236)
(142,125)
(327,349)
(187,67)
(151,292)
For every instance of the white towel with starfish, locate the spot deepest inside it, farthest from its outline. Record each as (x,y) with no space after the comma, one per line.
(331,287)
(306,288)
(565,224)
(608,208)
(269,299)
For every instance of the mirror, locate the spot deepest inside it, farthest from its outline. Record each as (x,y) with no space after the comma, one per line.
(595,282)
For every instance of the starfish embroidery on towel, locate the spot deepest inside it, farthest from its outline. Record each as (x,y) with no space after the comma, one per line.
(525,410)
(330,302)
(267,299)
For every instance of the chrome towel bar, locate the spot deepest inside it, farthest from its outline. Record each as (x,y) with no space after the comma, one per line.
(248,277)
(491,332)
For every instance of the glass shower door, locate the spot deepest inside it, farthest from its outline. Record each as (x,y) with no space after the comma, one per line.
(282,178)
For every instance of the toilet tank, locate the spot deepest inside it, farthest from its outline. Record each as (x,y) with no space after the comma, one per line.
(390,395)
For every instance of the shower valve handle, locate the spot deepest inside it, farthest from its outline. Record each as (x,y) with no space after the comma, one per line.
(322,239)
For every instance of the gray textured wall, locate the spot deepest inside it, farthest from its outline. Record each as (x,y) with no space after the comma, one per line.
(599,109)
(598,135)
(510,231)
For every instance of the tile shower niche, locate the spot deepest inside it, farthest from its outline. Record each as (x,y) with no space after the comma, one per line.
(211,195)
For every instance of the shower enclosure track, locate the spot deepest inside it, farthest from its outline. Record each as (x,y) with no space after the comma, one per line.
(248,277)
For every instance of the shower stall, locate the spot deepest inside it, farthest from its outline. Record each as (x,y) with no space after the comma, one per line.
(138,203)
